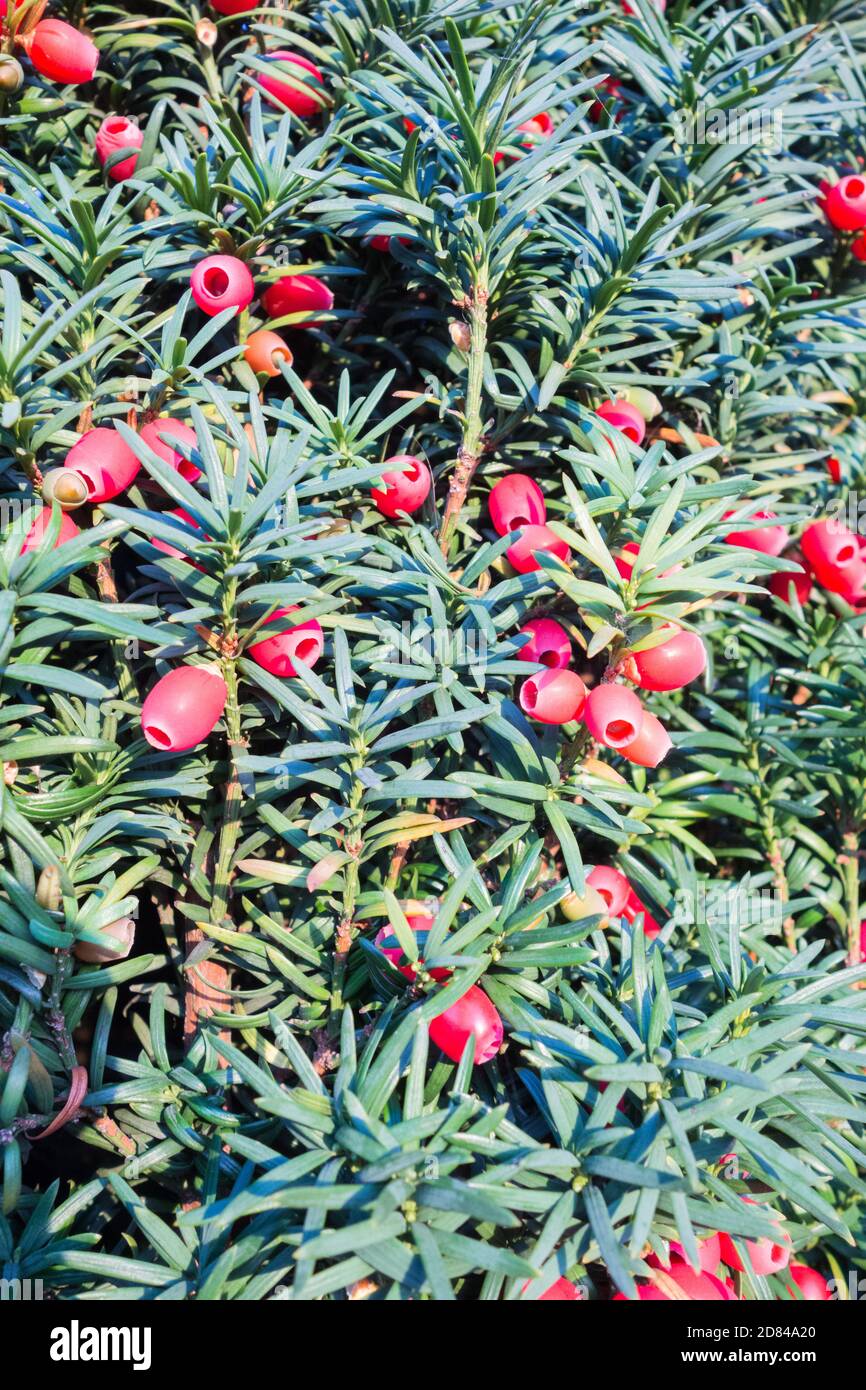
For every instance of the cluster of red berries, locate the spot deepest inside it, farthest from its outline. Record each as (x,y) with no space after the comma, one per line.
(612,713)
(710,1283)
(607,894)
(473,1016)
(830,554)
(184,706)
(844,205)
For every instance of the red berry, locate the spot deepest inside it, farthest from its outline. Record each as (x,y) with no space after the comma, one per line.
(767,1256)
(516,501)
(624,561)
(407,484)
(152,436)
(628,8)
(234,6)
(277,654)
(671,664)
(612,88)
(298,294)
(532,541)
(652,744)
(553,697)
(286,93)
(858,247)
(221,282)
(183,707)
(59,52)
(420,923)
(36,534)
(633,909)
(844,204)
(472,1015)
(106,464)
(613,715)
(612,886)
(561,1291)
(770,540)
(709,1254)
(834,468)
(813,1286)
(835,558)
(548,643)
(171,550)
(780,584)
(625,418)
(703,1287)
(118,133)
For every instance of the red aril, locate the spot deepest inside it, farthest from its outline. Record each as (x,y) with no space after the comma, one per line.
(548,643)
(277,654)
(516,501)
(472,1016)
(671,664)
(553,697)
(407,482)
(613,715)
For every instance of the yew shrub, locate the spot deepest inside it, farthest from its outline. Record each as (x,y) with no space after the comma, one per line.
(432,666)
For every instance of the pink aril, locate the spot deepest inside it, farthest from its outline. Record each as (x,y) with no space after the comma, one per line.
(768,1256)
(532,541)
(703,1287)
(812,1286)
(36,534)
(670,665)
(105,462)
(472,1016)
(285,93)
(709,1255)
(834,555)
(780,584)
(625,418)
(221,282)
(153,436)
(548,643)
(652,744)
(844,203)
(633,909)
(60,52)
(407,482)
(118,133)
(560,1291)
(555,696)
(183,708)
(770,540)
(613,715)
(166,547)
(297,294)
(612,886)
(420,921)
(516,501)
(277,654)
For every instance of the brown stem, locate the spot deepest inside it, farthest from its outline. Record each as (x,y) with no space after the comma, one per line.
(472,444)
